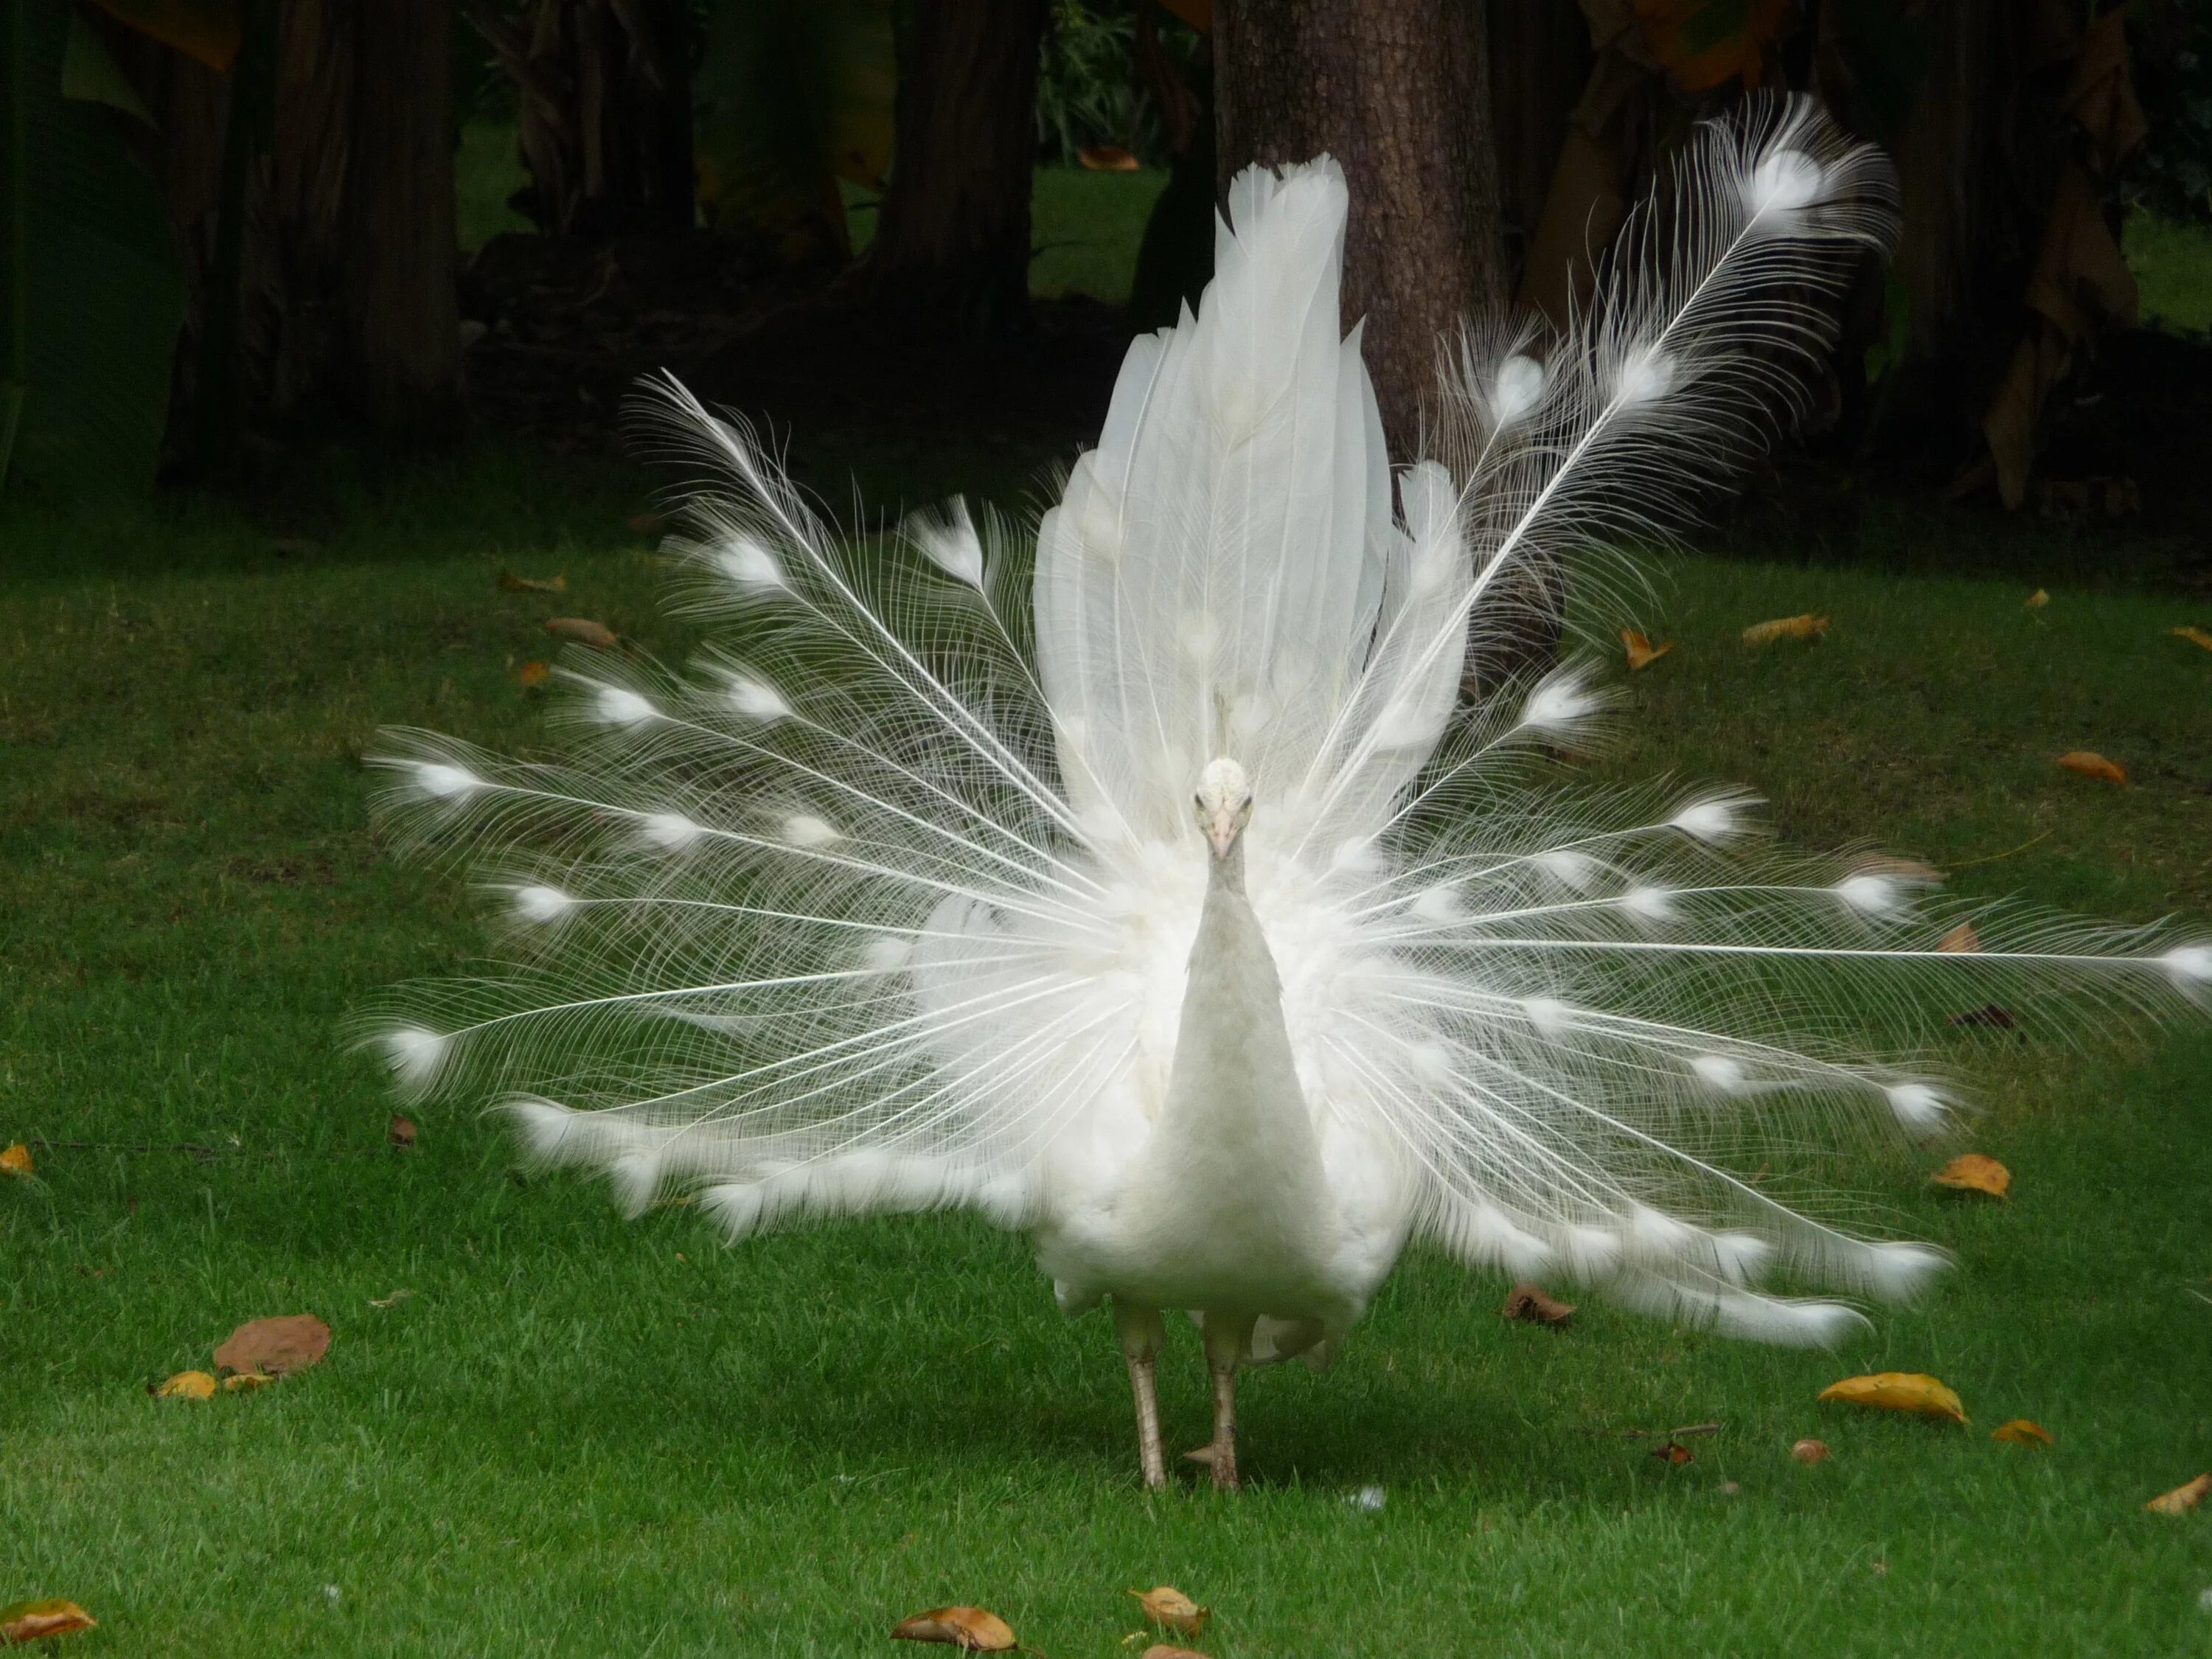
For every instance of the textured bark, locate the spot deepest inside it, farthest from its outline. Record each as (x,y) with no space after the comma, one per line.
(953,238)
(1398,92)
(1540,59)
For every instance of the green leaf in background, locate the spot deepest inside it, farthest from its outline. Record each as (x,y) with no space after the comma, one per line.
(93,275)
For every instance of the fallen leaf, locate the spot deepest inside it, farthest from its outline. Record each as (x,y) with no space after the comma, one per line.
(1642,653)
(187,1385)
(1888,864)
(2037,600)
(533,674)
(2021,1432)
(1809,1451)
(2183,1498)
(1898,1391)
(1961,937)
(2194,636)
(970,1629)
(34,1622)
(598,636)
(400,1133)
(238,1382)
(1162,1651)
(392,1301)
(279,1346)
(2090,764)
(514,584)
(1106,158)
(1675,1453)
(1693,1430)
(1971,1172)
(16,1160)
(1807,627)
(1532,1305)
(1988,1014)
(1170,1608)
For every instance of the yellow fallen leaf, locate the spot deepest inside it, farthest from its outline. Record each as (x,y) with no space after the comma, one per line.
(1170,1608)
(533,674)
(2021,1432)
(2038,599)
(187,1385)
(514,584)
(25,1622)
(1971,1172)
(972,1630)
(1809,1451)
(16,1160)
(2182,1498)
(2091,764)
(286,1343)
(1106,158)
(244,1380)
(1898,1391)
(2194,636)
(1807,627)
(1961,937)
(583,629)
(1162,1651)
(1642,653)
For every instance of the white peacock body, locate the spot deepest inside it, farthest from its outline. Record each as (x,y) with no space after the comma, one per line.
(894,901)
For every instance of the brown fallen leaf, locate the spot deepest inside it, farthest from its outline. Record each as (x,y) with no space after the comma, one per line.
(1674,1452)
(1106,158)
(511,583)
(1807,627)
(1532,1304)
(1989,1014)
(2194,636)
(1898,1391)
(2021,1432)
(533,674)
(1162,1651)
(2037,600)
(278,1345)
(24,1622)
(972,1630)
(1171,1609)
(2182,1498)
(400,1133)
(185,1385)
(240,1382)
(2091,764)
(1888,864)
(598,636)
(1971,1172)
(16,1160)
(1961,937)
(1642,653)
(1809,1451)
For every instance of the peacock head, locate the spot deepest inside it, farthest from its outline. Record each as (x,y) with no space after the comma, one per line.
(1223,801)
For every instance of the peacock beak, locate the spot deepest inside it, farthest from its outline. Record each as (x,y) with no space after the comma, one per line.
(1222,828)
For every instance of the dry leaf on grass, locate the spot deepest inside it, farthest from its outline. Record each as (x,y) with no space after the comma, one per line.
(2021,1432)
(1888,864)
(1534,1305)
(185,1385)
(533,674)
(1162,1651)
(512,583)
(1807,627)
(1961,937)
(1809,1451)
(2182,1498)
(1898,1391)
(1642,653)
(1971,1172)
(2037,600)
(972,1630)
(24,1622)
(1675,1453)
(1106,158)
(279,1346)
(2194,636)
(400,1133)
(1989,1014)
(1171,1609)
(2090,764)
(240,1382)
(582,629)
(16,1160)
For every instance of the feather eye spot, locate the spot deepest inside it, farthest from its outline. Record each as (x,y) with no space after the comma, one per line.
(1560,703)
(1550,1017)
(542,905)
(1870,896)
(1713,821)
(1785,182)
(1645,374)
(1649,903)
(750,564)
(1570,869)
(887,953)
(2189,964)
(1920,1108)
(1517,390)
(1721,1074)
(416,1054)
(951,543)
(671,832)
(617,705)
(756,700)
(442,781)
(803,829)
(1439,904)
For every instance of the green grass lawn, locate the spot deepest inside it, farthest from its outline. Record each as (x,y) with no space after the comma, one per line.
(2173,266)
(585,1436)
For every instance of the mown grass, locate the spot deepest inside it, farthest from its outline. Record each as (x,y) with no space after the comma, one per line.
(581,1435)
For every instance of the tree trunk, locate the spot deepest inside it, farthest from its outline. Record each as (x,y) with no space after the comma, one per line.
(401,364)
(953,238)
(1398,92)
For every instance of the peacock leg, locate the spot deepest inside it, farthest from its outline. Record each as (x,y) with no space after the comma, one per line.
(1228,1340)
(1141,1334)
